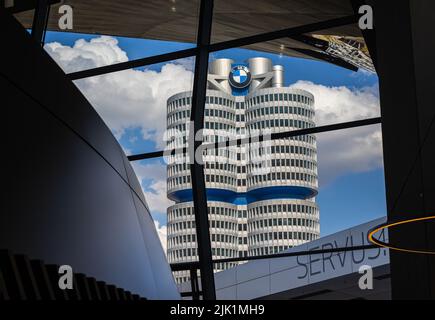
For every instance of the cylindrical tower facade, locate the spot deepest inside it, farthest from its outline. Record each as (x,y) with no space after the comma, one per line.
(220,168)
(259,66)
(278,76)
(261,197)
(222,67)
(282,212)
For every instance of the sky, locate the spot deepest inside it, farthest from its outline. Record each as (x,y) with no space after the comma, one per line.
(133,105)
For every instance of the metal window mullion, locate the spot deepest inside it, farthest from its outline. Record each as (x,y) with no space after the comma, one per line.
(197,170)
(188,265)
(132,64)
(284,33)
(264,37)
(274,136)
(40,20)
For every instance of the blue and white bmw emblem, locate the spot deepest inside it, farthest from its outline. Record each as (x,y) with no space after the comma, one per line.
(240,77)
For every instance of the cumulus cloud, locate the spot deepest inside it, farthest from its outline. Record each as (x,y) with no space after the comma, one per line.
(153,179)
(128,99)
(348,151)
(125,99)
(351,150)
(137,99)
(84,54)
(162,231)
(341,104)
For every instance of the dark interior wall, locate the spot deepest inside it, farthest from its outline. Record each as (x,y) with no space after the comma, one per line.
(70,196)
(405,38)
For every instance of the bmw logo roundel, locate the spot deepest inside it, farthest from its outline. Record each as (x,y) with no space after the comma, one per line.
(240,77)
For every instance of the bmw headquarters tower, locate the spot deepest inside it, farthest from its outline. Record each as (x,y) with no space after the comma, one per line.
(261,196)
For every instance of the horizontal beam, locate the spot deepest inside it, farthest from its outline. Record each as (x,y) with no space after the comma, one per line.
(194,264)
(273,136)
(321,45)
(327,58)
(311,41)
(284,33)
(132,64)
(326,128)
(186,294)
(268,36)
(144,156)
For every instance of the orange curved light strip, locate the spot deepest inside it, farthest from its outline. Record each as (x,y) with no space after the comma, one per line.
(389,225)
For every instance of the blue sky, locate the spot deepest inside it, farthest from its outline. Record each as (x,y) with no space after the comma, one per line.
(349,198)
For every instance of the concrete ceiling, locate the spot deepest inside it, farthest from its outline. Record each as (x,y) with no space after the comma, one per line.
(177,20)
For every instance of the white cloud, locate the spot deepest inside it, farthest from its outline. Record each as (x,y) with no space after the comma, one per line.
(156,196)
(345,151)
(137,98)
(128,99)
(162,231)
(348,151)
(341,104)
(155,189)
(187,63)
(125,99)
(86,54)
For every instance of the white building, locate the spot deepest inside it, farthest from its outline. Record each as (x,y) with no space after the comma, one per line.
(261,198)
(321,276)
